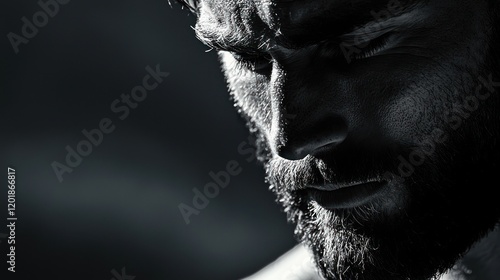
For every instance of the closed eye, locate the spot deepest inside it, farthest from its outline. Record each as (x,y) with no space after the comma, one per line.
(261,62)
(253,61)
(343,51)
(372,48)
(367,42)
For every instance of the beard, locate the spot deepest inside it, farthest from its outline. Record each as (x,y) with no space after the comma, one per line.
(418,230)
(424,224)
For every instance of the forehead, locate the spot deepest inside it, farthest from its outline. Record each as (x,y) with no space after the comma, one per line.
(295,20)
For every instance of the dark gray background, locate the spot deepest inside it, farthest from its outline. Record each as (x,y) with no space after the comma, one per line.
(119,207)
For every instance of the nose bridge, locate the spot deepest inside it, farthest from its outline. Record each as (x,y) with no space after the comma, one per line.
(278,107)
(291,18)
(302,120)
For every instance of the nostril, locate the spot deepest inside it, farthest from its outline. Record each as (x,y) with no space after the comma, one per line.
(291,153)
(310,139)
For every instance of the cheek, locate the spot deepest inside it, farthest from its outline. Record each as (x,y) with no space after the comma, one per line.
(407,101)
(416,111)
(249,91)
(406,118)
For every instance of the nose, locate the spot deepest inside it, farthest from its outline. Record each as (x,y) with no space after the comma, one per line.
(309,138)
(306,108)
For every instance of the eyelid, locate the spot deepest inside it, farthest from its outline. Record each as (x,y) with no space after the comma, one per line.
(252,60)
(374,46)
(361,36)
(250,55)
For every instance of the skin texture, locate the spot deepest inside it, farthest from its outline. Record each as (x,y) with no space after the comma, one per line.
(400,93)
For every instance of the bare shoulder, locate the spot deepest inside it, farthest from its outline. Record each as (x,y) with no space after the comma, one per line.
(481,261)
(296,264)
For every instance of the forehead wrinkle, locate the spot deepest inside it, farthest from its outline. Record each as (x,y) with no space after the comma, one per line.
(231,25)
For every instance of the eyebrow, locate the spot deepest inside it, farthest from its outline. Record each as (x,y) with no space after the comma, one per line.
(373,29)
(233,40)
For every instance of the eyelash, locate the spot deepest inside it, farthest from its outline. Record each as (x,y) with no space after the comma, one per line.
(373,47)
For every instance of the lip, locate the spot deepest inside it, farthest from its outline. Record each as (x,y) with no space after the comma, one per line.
(334,196)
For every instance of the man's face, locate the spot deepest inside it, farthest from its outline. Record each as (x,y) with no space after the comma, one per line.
(376,122)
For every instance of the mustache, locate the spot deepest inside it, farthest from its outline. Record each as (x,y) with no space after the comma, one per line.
(296,175)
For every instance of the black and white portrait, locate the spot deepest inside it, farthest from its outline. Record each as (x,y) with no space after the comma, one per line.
(251,139)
